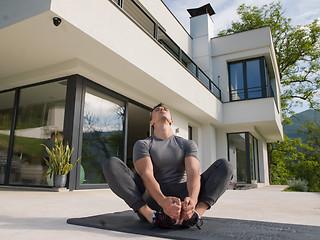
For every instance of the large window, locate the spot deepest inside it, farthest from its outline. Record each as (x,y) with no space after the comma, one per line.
(103,134)
(243,154)
(6,112)
(248,79)
(40,112)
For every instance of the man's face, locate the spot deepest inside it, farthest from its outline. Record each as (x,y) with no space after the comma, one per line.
(160,113)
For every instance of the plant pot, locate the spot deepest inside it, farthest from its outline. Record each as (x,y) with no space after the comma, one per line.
(254,181)
(60,181)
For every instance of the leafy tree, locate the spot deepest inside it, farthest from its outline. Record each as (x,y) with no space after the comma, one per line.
(309,167)
(294,159)
(297,49)
(283,156)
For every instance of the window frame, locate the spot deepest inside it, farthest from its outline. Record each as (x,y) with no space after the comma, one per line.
(263,79)
(250,166)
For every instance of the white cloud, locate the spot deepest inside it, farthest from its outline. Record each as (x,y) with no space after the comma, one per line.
(301,12)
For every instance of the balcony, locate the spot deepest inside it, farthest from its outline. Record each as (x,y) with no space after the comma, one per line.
(137,14)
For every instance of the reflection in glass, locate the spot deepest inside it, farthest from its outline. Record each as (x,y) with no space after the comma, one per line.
(254,158)
(40,112)
(253,79)
(236,81)
(6,110)
(103,135)
(237,155)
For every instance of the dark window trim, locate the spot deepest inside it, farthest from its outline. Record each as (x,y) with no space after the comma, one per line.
(39,83)
(11,136)
(245,82)
(72,129)
(72,123)
(17,91)
(249,166)
(247,147)
(89,83)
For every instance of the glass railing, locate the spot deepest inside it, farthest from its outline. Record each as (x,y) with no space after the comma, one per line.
(145,21)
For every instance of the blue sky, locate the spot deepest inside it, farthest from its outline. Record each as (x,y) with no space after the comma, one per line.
(300,11)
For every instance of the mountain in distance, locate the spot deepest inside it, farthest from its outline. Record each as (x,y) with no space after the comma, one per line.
(298,121)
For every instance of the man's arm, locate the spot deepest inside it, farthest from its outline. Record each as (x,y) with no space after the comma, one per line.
(193,184)
(170,205)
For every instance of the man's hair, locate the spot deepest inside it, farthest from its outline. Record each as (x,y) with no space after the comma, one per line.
(159,105)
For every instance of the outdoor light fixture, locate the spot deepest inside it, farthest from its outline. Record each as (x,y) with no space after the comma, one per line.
(56,21)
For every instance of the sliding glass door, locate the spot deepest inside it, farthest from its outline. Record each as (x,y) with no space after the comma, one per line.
(243,154)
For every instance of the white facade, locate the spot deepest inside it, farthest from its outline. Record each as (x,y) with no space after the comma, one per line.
(98,40)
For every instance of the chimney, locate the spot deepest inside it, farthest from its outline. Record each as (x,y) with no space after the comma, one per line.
(201,31)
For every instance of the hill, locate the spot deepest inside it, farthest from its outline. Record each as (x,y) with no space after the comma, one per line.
(298,121)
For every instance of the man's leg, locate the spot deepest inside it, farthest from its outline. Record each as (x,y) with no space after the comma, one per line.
(214,182)
(127,185)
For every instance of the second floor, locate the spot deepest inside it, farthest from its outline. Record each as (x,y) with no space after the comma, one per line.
(140,50)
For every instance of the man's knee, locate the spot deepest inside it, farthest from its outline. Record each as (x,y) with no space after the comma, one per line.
(110,165)
(225,165)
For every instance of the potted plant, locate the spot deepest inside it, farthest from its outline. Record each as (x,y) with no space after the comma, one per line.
(58,161)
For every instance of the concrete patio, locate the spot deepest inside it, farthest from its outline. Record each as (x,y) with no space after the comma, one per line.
(42,214)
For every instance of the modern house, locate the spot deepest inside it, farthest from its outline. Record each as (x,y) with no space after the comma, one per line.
(94,69)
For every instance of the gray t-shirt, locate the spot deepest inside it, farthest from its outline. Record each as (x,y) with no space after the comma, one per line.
(167,156)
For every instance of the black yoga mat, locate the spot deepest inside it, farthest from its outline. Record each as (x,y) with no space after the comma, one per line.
(212,228)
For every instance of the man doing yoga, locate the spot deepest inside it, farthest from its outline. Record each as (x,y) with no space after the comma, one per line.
(167,188)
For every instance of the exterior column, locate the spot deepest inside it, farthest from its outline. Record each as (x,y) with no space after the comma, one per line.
(201,31)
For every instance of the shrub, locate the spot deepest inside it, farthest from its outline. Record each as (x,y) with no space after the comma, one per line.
(300,185)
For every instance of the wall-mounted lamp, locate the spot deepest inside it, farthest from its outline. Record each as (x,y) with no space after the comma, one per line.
(56,21)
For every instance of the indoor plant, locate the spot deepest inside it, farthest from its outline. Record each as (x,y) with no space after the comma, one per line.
(59,161)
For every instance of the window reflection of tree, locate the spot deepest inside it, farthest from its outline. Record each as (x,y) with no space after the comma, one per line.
(102,138)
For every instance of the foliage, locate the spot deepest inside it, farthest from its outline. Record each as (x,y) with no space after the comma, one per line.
(294,159)
(298,185)
(29,147)
(309,167)
(297,49)
(283,156)
(59,158)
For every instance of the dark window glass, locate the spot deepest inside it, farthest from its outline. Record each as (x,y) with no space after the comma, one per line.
(190,133)
(247,80)
(237,155)
(41,112)
(253,79)
(103,134)
(236,81)
(138,128)
(6,111)
(239,158)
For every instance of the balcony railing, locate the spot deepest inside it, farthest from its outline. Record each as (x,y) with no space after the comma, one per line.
(145,21)
(251,93)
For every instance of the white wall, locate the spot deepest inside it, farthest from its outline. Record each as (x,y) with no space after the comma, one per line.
(202,30)
(263,164)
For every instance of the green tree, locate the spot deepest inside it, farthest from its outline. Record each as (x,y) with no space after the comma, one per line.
(294,159)
(308,168)
(297,49)
(284,155)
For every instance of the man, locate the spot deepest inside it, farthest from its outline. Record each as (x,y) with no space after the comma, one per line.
(167,189)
